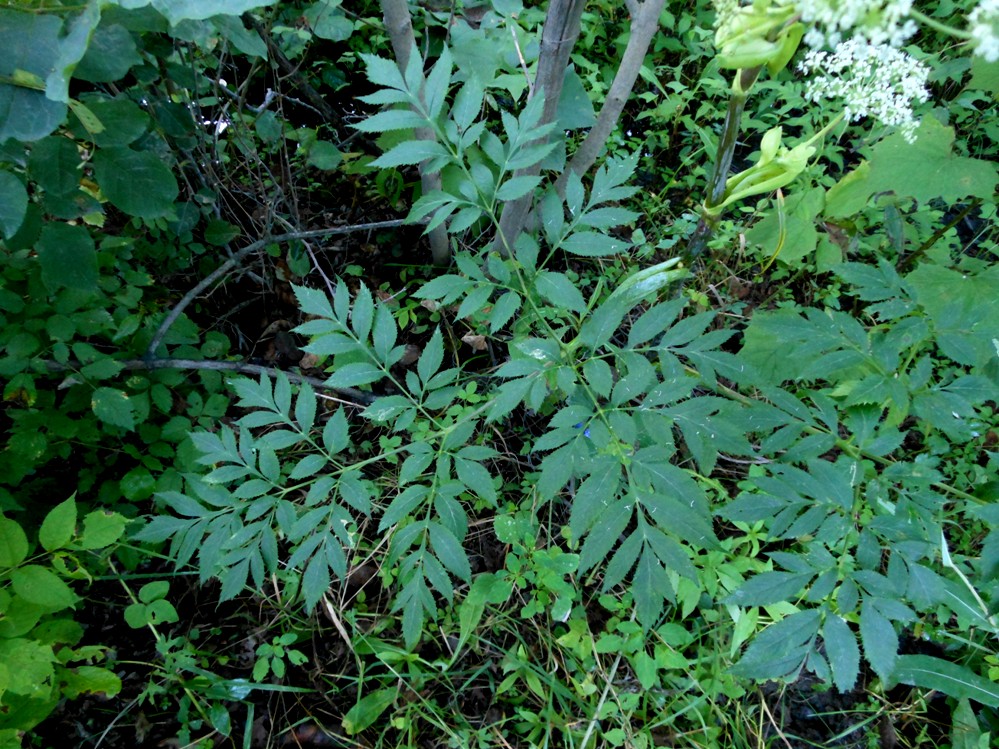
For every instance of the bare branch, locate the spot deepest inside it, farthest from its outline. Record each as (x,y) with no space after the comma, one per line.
(233,261)
(353,397)
(297,78)
(644,24)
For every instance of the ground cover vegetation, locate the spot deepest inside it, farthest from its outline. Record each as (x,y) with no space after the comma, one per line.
(452,374)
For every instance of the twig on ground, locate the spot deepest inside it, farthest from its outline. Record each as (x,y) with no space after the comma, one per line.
(352,397)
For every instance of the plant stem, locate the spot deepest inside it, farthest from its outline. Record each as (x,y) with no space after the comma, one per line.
(727,142)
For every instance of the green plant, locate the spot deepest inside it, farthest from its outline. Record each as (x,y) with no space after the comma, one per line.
(41,660)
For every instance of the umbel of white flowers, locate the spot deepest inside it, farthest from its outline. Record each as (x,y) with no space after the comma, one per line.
(876,21)
(872,80)
(983,23)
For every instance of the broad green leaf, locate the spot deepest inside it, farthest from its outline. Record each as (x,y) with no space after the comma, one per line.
(196,10)
(59,525)
(436,87)
(30,43)
(54,165)
(136,182)
(327,21)
(595,493)
(841,651)
(42,587)
(468,102)
(13,543)
(29,669)
(89,680)
(368,710)
(113,407)
(109,56)
(924,170)
(154,591)
(324,155)
(245,40)
(221,233)
(13,204)
(67,257)
(960,682)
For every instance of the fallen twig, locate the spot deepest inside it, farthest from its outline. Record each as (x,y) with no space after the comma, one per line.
(350,395)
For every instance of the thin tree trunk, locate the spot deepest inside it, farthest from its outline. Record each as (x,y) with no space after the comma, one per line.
(644,25)
(399,26)
(562,26)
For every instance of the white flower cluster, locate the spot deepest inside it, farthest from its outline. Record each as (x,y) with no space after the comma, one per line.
(983,22)
(872,80)
(876,21)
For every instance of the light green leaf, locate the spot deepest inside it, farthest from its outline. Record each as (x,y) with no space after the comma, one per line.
(59,525)
(13,543)
(245,40)
(575,109)
(89,680)
(113,407)
(391,119)
(368,709)
(197,10)
(42,587)
(101,529)
(136,182)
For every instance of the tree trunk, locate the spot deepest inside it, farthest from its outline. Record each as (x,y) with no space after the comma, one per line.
(399,26)
(562,25)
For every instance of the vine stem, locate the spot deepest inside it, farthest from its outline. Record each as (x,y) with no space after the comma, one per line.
(941,27)
(603,696)
(237,258)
